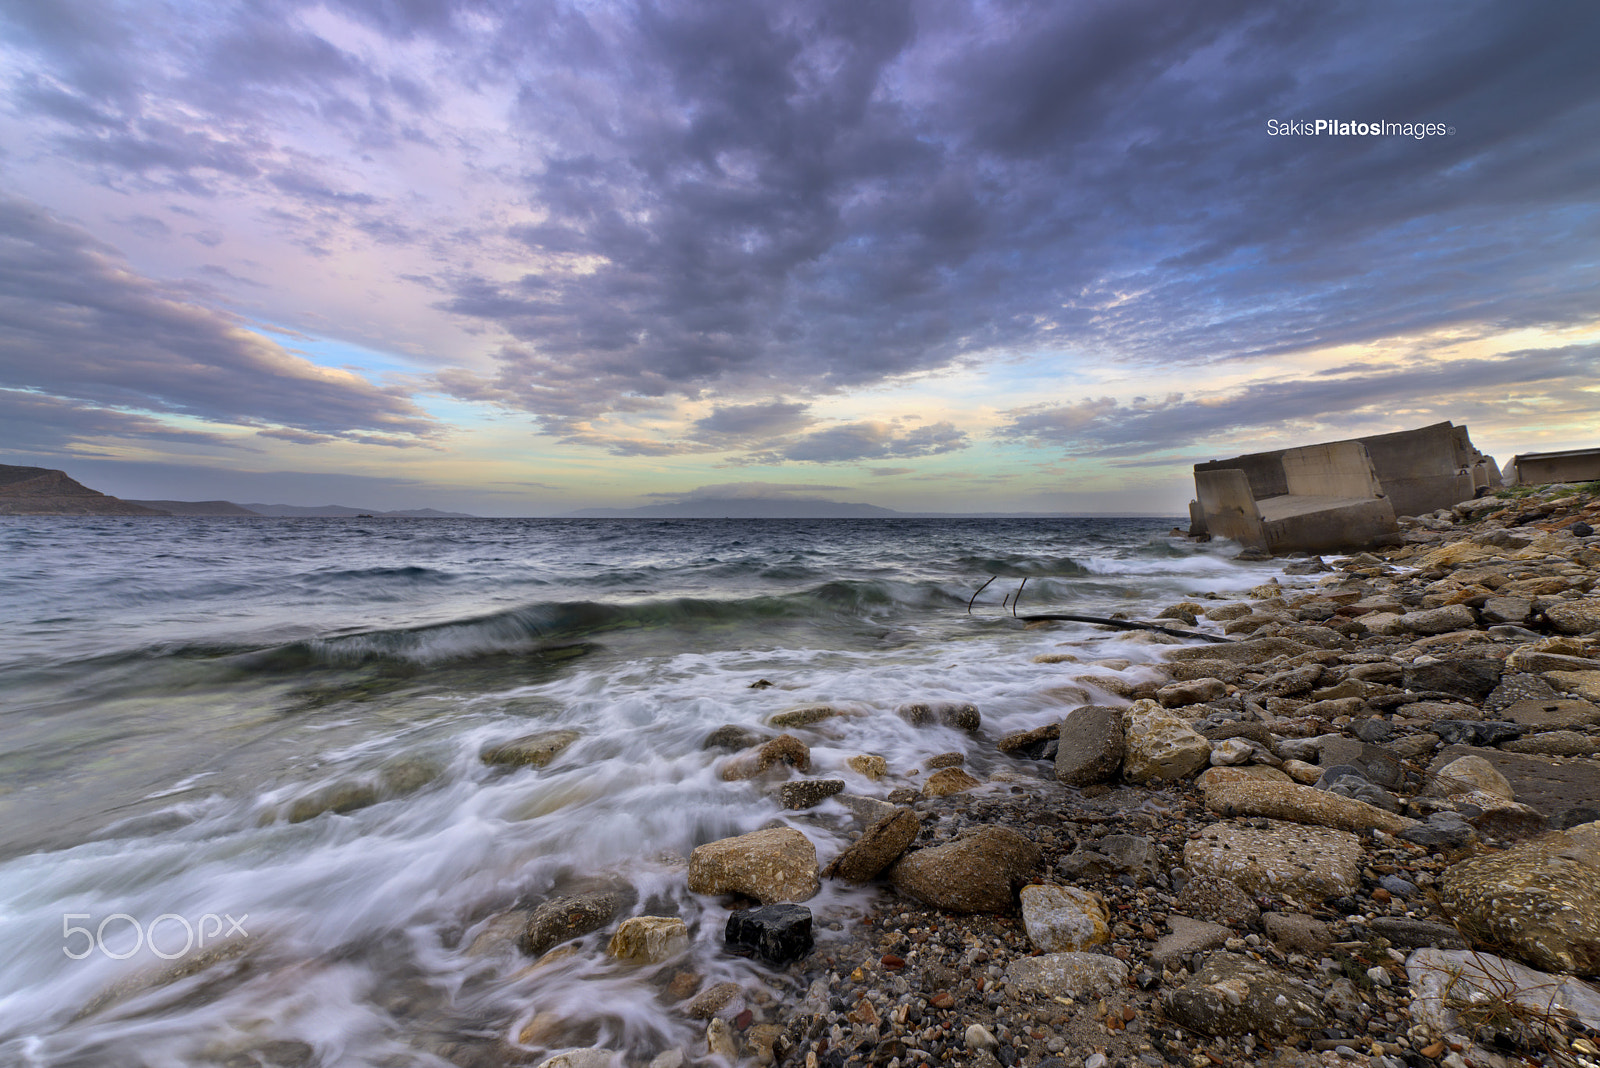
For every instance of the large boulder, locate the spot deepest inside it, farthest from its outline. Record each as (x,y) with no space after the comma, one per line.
(1469,773)
(1575,617)
(1539,901)
(1090,746)
(975,873)
(777,864)
(1059,919)
(1234,995)
(1304,864)
(960,715)
(531,750)
(879,846)
(1455,987)
(1159,745)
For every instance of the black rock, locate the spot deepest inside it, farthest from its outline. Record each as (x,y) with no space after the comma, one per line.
(1417,934)
(1476,732)
(775,933)
(1580,529)
(1473,679)
(1372,729)
(1341,773)
(1444,830)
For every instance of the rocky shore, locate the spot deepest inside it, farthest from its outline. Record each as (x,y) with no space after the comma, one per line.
(1364,832)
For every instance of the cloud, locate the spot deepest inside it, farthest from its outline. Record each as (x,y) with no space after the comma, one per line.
(746,491)
(753,421)
(868,440)
(1550,384)
(40,423)
(78,324)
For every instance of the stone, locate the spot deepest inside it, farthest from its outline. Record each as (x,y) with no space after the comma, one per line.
(732,737)
(648,939)
(1091,746)
(1302,804)
(1554,743)
(1079,976)
(1475,732)
(582,1058)
(871,765)
(1159,745)
(944,760)
(723,999)
(808,793)
(777,864)
(1301,772)
(775,933)
(958,715)
(1249,651)
(1234,995)
(1295,932)
(1494,817)
(803,716)
(721,1041)
(1302,863)
(1415,934)
(1443,830)
(531,750)
(1059,919)
(1582,684)
(784,749)
(1029,743)
(1379,764)
(1539,901)
(1188,937)
(1208,897)
(1251,773)
(1191,692)
(1575,617)
(974,873)
(1290,683)
(1514,610)
(1439,620)
(1222,613)
(1472,679)
(879,846)
(341,797)
(1232,751)
(1469,773)
(867,810)
(948,781)
(564,918)
(1455,987)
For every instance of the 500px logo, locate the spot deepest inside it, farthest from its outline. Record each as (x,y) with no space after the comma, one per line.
(146,936)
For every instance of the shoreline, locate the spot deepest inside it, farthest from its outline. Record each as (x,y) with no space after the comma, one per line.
(1368,679)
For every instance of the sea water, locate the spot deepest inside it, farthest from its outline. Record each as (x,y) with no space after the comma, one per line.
(170,689)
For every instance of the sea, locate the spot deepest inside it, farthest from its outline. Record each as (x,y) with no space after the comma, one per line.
(244,815)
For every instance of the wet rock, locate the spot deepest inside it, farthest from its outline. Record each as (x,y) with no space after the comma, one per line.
(1067,975)
(871,765)
(1249,651)
(648,939)
(1290,683)
(1379,765)
(1575,617)
(1188,937)
(1455,989)
(582,1058)
(1029,743)
(1231,752)
(1472,679)
(564,918)
(1159,745)
(878,847)
(1219,899)
(944,760)
(1191,692)
(732,737)
(778,864)
(1416,934)
(948,781)
(1554,743)
(1091,746)
(1064,918)
(1234,995)
(808,793)
(1516,610)
(531,750)
(1297,933)
(721,1041)
(1443,830)
(775,933)
(975,873)
(958,715)
(867,810)
(803,716)
(1303,804)
(1539,900)
(1469,773)
(723,999)
(340,797)
(1304,864)
(785,748)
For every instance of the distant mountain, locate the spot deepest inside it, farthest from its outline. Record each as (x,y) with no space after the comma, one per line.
(339,511)
(198,508)
(745,508)
(45,491)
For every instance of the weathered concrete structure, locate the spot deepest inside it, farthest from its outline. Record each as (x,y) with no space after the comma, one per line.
(1341,494)
(1542,468)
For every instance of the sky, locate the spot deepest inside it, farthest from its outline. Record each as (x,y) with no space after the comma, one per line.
(519,258)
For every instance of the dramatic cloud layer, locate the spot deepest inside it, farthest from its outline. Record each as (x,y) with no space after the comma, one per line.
(714,231)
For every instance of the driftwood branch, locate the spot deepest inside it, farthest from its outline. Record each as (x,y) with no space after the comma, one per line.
(979,590)
(1126,624)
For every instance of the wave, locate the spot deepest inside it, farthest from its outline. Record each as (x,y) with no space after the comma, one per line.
(1017,566)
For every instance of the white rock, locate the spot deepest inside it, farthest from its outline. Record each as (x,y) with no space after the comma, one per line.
(649,939)
(1160,745)
(1063,918)
(1232,751)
